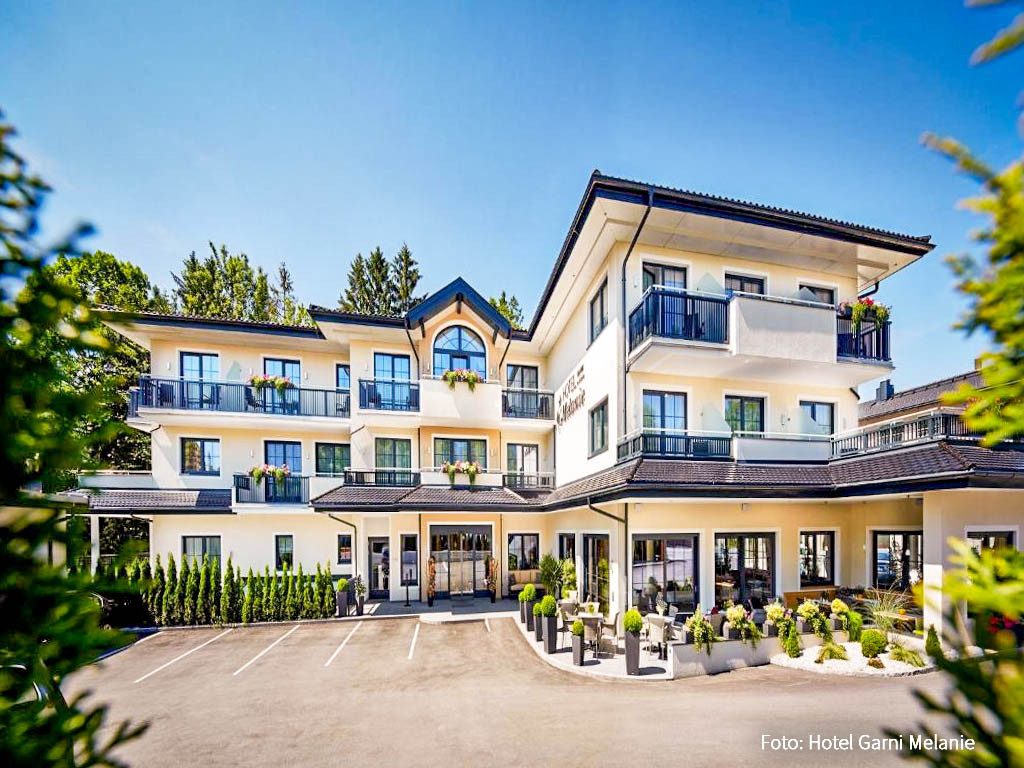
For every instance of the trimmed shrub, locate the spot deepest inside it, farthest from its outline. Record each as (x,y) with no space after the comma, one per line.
(548,606)
(226,611)
(247,601)
(831,651)
(854,625)
(632,621)
(255,586)
(170,593)
(342,585)
(908,656)
(191,608)
(872,643)
(271,599)
(203,593)
(156,594)
(217,590)
(292,601)
(932,646)
(577,628)
(529,593)
(181,594)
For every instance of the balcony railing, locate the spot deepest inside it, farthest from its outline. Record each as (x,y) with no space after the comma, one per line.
(389,395)
(527,404)
(676,314)
(397,476)
(236,397)
(293,489)
(869,342)
(933,426)
(529,481)
(674,444)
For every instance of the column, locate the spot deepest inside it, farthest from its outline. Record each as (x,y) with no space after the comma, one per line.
(94,541)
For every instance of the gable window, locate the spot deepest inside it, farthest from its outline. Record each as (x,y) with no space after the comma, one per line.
(286,401)
(332,458)
(342,377)
(666,277)
(200,456)
(665,410)
(459,449)
(744,283)
(899,559)
(199,373)
(824,295)
(523,551)
(195,547)
(284,551)
(459,348)
(599,428)
(744,414)
(599,311)
(817,559)
(278,453)
(818,418)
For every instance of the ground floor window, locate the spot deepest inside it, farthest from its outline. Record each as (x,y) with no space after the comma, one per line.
(410,560)
(596,554)
(344,549)
(899,559)
(284,550)
(567,546)
(817,559)
(523,551)
(982,540)
(460,558)
(665,567)
(194,547)
(744,568)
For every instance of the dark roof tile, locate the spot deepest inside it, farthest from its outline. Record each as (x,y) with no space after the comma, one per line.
(212,500)
(917,397)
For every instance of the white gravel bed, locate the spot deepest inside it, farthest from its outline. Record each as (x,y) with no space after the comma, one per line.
(856,666)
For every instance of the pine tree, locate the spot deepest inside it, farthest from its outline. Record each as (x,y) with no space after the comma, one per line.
(320,599)
(509,309)
(261,302)
(192,595)
(247,601)
(170,593)
(310,606)
(379,284)
(356,297)
(405,275)
(203,593)
(181,595)
(156,595)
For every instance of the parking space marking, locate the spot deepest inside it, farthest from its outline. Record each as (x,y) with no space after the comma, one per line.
(182,656)
(487,624)
(415,634)
(347,638)
(254,658)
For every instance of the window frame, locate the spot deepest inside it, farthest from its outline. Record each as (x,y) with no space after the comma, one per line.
(513,377)
(296,470)
(203,472)
(278,562)
(469,441)
(601,295)
(743,536)
(664,538)
(523,536)
(334,446)
(453,352)
(205,538)
(392,357)
(563,537)
(402,538)
(831,534)
(595,451)
(285,362)
(743,278)
(661,395)
(394,453)
(744,399)
(338,368)
(351,551)
(875,533)
(657,272)
(182,354)
(832,413)
(519,451)
(814,288)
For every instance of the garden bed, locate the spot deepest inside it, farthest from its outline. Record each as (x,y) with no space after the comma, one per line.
(857,664)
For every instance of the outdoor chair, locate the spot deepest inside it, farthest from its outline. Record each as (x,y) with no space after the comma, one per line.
(251,403)
(610,629)
(656,637)
(567,621)
(592,634)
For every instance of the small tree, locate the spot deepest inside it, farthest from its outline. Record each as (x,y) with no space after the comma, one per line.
(255,586)
(170,593)
(156,597)
(237,612)
(191,609)
(203,613)
(217,588)
(272,597)
(247,601)
(227,612)
(291,598)
(181,595)
(311,606)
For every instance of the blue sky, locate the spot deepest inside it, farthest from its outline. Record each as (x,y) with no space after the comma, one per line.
(308,132)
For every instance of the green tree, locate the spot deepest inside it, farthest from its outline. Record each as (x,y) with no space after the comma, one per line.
(255,585)
(509,309)
(379,283)
(236,614)
(167,609)
(190,611)
(156,598)
(356,297)
(203,594)
(48,620)
(221,285)
(248,600)
(377,286)
(284,307)
(291,601)
(227,611)
(405,276)
(271,596)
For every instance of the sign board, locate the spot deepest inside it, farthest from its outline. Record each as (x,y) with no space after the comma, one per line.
(571,397)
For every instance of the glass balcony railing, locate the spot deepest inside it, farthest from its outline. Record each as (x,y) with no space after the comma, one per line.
(236,397)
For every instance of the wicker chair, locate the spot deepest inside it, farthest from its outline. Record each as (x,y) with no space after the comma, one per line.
(610,629)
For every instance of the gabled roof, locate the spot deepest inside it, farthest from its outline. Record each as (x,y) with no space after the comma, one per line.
(917,397)
(110,313)
(458,290)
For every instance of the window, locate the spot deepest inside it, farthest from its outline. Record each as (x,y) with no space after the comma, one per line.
(817,418)
(596,584)
(744,283)
(199,372)
(817,559)
(282,401)
(523,551)
(522,459)
(197,366)
(599,428)
(290,369)
(410,560)
(278,453)
(284,550)
(599,311)
(824,295)
(344,549)
(744,568)
(342,377)
(899,559)
(665,566)
(459,347)
(664,410)
(522,377)
(667,277)
(195,547)
(458,449)
(981,540)
(332,458)
(390,390)
(391,454)
(200,456)
(390,367)
(567,546)
(744,414)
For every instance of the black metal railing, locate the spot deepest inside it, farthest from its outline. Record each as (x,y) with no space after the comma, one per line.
(293,489)
(674,445)
(677,314)
(529,480)
(237,397)
(389,395)
(527,404)
(934,426)
(388,477)
(868,342)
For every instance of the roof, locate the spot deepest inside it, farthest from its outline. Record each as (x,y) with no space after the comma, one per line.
(109,312)
(458,290)
(418,497)
(917,397)
(356,318)
(209,501)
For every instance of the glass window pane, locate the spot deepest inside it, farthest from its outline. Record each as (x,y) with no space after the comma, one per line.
(410,561)
(344,378)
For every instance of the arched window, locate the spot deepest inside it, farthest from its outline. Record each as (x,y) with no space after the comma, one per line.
(459,347)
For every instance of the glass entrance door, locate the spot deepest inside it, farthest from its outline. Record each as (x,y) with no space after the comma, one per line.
(462,564)
(460,558)
(595,568)
(380,570)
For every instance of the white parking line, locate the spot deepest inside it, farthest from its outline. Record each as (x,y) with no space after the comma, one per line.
(347,638)
(414,636)
(182,656)
(250,661)
(487,624)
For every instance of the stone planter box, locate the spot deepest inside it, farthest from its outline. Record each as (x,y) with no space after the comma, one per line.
(834,623)
(804,627)
(686,661)
(717,620)
(522,613)
(577,650)
(729,633)
(632,653)
(528,607)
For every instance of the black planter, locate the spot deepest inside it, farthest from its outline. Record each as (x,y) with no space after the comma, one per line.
(804,627)
(430,601)
(528,608)
(522,612)
(492,597)
(550,633)
(730,633)
(359,606)
(577,650)
(342,604)
(770,629)
(632,653)
(538,627)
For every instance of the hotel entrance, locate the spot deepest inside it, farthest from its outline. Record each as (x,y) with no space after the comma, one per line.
(460,555)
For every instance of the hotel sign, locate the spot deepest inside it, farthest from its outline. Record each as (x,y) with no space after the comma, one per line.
(571,397)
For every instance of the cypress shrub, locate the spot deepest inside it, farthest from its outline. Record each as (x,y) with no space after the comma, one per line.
(310,606)
(256,586)
(325,592)
(170,593)
(226,612)
(247,601)
(156,594)
(191,611)
(217,588)
(271,597)
(932,646)
(292,600)
(300,594)
(181,597)
(236,604)
(203,593)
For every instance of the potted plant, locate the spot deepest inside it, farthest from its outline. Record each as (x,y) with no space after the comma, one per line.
(492,577)
(538,625)
(549,618)
(342,598)
(739,625)
(472,378)
(632,623)
(360,589)
(529,596)
(431,580)
(577,643)
(257,473)
(775,612)
(522,605)
(863,308)
(699,631)
(472,469)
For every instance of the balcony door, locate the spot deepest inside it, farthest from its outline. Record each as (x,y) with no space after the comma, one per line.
(744,568)
(380,567)
(393,461)
(199,372)
(596,555)
(522,400)
(286,401)
(391,390)
(278,453)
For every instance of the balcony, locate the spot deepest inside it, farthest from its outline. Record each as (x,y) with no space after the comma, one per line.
(458,405)
(669,313)
(922,429)
(869,342)
(293,489)
(393,395)
(674,444)
(236,397)
(529,481)
(390,477)
(527,404)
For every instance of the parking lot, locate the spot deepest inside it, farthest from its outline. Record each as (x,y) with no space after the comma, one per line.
(402,692)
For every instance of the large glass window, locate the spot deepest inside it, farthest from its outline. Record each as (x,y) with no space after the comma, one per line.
(744,414)
(899,559)
(665,566)
(523,377)
(744,283)
(567,546)
(344,549)
(817,418)
(596,584)
(459,449)
(392,456)
(664,410)
(982,540)
(817,559)
(410,560)
(391,390)
(278,453)
(599,428)
(284,551)
(200,456)
(342,377)
(667,277)
(199,372)
(522,459)
(332,458)
(744,568)
(599,311)
(282,401)
(458,347)
(523,551)
(390,367)
(195,547)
